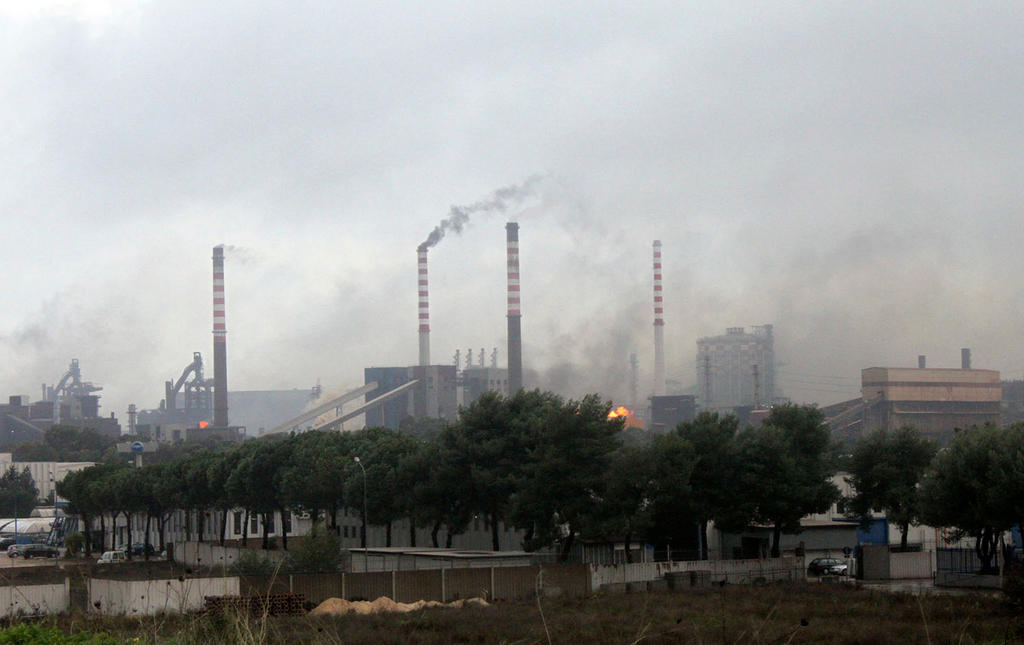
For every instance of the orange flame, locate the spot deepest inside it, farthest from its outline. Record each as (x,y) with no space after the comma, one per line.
(620,411)
(203,424)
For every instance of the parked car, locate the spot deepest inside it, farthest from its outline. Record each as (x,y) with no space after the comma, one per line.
(40,551)
(16,550)
(110,557)
(142,549)
(827,566)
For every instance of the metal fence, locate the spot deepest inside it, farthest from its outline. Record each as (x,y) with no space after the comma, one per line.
(962,561)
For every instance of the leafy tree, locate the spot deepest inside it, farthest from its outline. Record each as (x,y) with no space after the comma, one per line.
(381,452)
(975,486)
(18,493)
(625,509)
(319,552)
(885,471)
(314,478)
(68,443)
(255,481)
(671,499)
(714,495)
(438,495)
(489,447)
(571,452)
(788,468)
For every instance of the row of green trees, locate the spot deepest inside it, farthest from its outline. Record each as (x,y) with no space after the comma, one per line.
(553,468)
(558,471)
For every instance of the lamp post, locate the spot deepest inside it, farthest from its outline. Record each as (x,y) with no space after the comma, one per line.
(53,490)
(363,468)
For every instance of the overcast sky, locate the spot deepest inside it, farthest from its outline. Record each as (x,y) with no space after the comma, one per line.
(849,172)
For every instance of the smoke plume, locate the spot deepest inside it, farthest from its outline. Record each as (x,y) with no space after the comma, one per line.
(498,201)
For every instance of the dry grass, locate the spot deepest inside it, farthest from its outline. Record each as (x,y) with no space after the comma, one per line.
(805,613)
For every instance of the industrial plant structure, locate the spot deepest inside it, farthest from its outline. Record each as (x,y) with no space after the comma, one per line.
(937,401)
(737,369)
(71,402)
(659,325)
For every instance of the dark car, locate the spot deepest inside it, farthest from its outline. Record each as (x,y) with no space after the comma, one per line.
(828,566)
(142,549)
(40,551)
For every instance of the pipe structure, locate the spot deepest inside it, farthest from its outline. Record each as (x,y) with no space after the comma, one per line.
(424,305)
(659,325)
(515,330)
(220,337)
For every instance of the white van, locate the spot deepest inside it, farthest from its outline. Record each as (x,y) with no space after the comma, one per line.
(109,557)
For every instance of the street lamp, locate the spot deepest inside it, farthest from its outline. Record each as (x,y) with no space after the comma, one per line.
(363,468)
(53,490)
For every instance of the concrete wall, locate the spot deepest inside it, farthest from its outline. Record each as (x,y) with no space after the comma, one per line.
(212,555)
(877,563)
(148,597)
(908,566)
(34,599)
(736,571)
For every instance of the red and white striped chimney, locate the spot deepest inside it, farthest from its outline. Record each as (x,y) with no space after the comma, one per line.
(220,338)
(659,325)
(424,306)
(515,330)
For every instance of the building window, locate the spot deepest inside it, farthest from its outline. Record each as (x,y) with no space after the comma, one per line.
(238,522)
(254,525)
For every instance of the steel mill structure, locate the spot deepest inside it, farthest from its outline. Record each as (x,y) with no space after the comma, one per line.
(659,325)
(424,305)
(515,331)
(220,351)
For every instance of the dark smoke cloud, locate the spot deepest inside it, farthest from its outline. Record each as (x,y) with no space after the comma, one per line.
(498,201)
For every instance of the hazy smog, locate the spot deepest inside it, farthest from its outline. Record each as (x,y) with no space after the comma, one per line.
(847,172)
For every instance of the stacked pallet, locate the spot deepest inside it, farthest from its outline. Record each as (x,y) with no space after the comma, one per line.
(275,604)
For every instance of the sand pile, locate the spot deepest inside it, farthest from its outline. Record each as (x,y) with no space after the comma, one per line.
(339,606)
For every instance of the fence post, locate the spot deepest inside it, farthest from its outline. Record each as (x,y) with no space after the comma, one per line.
(291,583)
(394,595)
(491,599)
(343,595)
(444,590)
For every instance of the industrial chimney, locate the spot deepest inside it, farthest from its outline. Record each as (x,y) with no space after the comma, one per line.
(220,352)
(515,330)
(424,306)
(920,361)
(659,326)
(965,358)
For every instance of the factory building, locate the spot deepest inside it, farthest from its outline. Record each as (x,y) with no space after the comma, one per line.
(669,411)
(478,380)
(433,396)
(24,421)
(936,401)
(736,369)
(45,474)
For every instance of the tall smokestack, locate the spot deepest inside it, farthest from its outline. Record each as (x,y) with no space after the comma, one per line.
(220,346)
(421,255)
(965,358)
(659,325)
(515,330)
(920,361)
